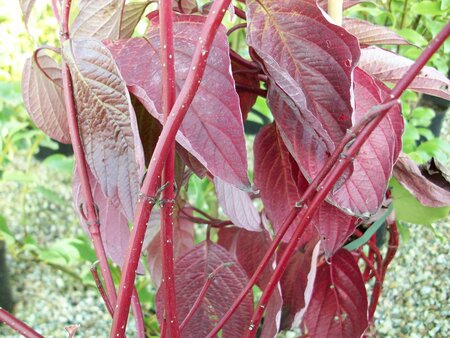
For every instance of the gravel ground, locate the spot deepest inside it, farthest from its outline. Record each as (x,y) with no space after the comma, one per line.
(414,302)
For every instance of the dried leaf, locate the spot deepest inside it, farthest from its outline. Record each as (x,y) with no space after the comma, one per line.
(212,130)
(428,184)
(237,205)
(390,67)
(370,34)
(106,121)
(43,96)
(100,19)
(338,307)
(192,271)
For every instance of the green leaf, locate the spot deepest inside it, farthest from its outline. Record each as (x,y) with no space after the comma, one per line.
(18,176)
(427,8)
(409,209)
(50,195)
(59,162)
(412,36)
(404,232)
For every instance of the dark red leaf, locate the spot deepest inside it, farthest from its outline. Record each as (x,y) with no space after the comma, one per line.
(338,306)
(429,185)
(192,271)
(183,241)
(132,13)
(281,184)
(248,248)
(43,96)
(100,19)
(308,58)
(245,82)
(185,6)
(212,130)
(390,67)
(107,122)
(370,34)
(237,205)
(297,283)
(363,190)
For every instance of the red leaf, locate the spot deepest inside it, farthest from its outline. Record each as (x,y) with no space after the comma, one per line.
(237,205)
(390,67)
(113,224)
(310,60)
(370,34)
(338,307)
(430,187)
(185,6)
(183,241)
(212,130)
(107,122)
(43,96)
(281,184)
(246,97)
(192,271)
(361,192)
(297,283)
(100,19)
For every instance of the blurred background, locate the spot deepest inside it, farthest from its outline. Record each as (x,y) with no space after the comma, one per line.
(45,256)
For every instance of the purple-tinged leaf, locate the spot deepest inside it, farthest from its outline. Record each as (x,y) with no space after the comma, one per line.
(275,176)
(132,13)
(297,283)
(237,205)
(248,248)
(244,86)
(183,241)
(308,58)
(100,19)
(429,183)
(280,183)
(113,224)
(43,96)
(390,67)
(370,34)
(193,164)
(272,316)
(212,130)
(362,190)
(26,6)
(106,121)
(338,307)
(192,271)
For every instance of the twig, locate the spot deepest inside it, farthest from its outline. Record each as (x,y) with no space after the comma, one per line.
(17,325)
(159,157)
(100,288)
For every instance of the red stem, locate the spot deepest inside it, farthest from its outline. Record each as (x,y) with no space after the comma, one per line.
(138,315)
(101,290)
(236,27)
(81,165)
(337,171)
(392,249)
(17,325)
(159,157)
(202,295)
(168,195)
(56,11)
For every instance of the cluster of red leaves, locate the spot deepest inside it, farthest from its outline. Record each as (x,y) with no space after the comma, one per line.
(320,79)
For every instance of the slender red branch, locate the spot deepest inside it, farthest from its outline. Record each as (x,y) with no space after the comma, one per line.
(168,195)
(370,265)
(81,164)
(236,27)
(17,325)
(160,154)
(392,248)
(331,179)
(202,294)
(243,62)
(138,315)
(100,288)
(56,11)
